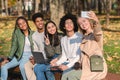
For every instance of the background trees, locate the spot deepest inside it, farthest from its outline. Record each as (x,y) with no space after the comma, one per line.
(54,9)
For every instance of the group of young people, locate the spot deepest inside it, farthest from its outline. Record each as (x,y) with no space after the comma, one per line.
(63,51)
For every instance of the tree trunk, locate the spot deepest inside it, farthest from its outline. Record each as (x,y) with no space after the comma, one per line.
(93,4)
(44,6)
(66,6)
(23,11)
(19,7)
(56,10)
(99,7)
(104,6)
(86,5)
(79,7)
(3,7)
(2,4)
(37,2)
(6,6)
(108,12)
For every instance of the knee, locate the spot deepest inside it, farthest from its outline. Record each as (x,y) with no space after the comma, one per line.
(36,68)
(28,65)
(64,77)
(4,67)
(21,67)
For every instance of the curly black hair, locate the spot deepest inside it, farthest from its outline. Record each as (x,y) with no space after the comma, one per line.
(36,15)
(66,17)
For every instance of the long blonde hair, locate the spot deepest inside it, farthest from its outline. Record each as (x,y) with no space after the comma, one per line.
(91,23)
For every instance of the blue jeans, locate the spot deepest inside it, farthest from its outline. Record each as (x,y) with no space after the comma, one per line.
(14,62)
(42,69)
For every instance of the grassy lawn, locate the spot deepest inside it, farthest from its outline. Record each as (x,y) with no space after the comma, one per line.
(112,46)
(111,41)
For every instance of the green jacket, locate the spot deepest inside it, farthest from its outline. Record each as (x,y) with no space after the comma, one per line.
(17,46)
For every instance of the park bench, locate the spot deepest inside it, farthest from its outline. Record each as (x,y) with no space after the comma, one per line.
(15,73)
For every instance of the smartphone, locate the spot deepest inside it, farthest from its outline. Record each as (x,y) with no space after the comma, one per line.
(84,14)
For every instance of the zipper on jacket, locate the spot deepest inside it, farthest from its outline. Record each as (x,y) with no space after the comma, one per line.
(22,48)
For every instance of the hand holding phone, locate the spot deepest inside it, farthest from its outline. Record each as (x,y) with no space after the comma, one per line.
(84,14)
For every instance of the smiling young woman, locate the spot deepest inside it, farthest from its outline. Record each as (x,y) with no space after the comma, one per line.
(20,48)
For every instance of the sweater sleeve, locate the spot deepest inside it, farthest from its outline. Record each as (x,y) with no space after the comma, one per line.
(98,34)
(75,59)
(63,57)
(71,64)
(97,31)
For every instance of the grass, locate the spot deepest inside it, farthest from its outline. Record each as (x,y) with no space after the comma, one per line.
(111,46)
(112,56)
(111,41)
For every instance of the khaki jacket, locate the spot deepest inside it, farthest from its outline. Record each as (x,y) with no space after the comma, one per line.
(92,44)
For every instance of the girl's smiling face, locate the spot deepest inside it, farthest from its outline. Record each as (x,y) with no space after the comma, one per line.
(22,24)
(84,23)
(51,28)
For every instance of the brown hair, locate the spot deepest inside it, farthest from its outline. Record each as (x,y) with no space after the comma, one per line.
(55,43)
